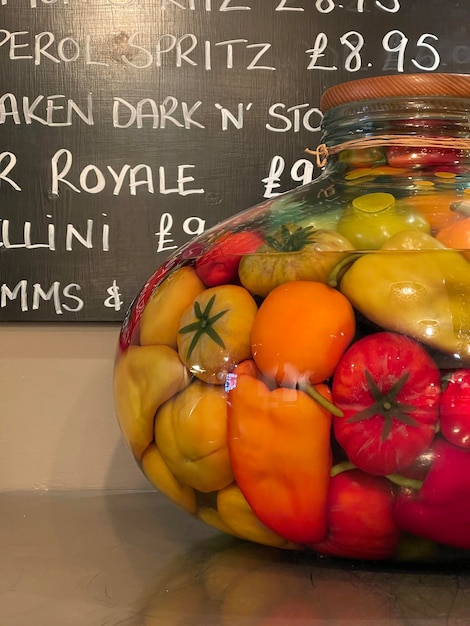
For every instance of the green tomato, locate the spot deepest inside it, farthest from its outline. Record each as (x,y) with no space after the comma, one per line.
(373,218)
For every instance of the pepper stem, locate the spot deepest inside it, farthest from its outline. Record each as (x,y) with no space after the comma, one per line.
(339,269)
(396,479)
(403,481)
(339,468)
(322,401)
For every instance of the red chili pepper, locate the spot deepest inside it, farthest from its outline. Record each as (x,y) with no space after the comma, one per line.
(219,265)
(360,519)
(440,509)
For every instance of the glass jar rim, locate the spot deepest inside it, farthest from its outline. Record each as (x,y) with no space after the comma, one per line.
(387,121)
(442,108)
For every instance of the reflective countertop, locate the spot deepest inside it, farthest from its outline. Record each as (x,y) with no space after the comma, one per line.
(134,559)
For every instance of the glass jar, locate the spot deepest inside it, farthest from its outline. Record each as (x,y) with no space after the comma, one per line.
(299,375)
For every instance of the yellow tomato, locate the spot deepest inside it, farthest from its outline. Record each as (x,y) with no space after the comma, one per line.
(214,333)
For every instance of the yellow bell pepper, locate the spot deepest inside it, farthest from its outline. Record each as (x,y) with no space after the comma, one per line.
(144,378)
(160,318)
(159,474)
(423,293)
(237,514)
(191,434)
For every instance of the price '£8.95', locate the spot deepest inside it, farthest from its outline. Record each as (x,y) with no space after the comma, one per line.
(399,49)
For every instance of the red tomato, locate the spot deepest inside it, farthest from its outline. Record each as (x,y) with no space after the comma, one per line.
(360,517)
(455,409)
(399,156)
(220,264)
(388,388)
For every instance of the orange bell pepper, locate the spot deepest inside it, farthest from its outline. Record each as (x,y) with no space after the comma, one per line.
(279,447)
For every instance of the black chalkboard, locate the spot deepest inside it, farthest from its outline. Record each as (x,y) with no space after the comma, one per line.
(128,125)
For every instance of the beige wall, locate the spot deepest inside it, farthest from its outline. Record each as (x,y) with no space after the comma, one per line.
(57,423)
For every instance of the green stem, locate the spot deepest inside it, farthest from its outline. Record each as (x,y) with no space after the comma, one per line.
(396,479)
(339,468)
(403,481)
(322,401)
(336,273)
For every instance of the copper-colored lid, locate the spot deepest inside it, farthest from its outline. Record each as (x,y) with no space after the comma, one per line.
(457,85)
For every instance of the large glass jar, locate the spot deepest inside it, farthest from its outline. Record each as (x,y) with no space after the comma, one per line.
(299,375)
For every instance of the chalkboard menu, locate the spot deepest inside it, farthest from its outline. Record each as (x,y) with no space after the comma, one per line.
(128,126)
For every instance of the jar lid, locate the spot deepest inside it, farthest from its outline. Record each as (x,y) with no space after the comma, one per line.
(397,85)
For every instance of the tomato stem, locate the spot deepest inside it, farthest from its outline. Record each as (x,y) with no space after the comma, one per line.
(322,401)
(386,405)
(290,238)
(203,325)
